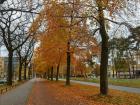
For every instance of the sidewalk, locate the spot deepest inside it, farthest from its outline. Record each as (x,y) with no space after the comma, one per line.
(42,94)
(54,93)
(17,96)
(121,88)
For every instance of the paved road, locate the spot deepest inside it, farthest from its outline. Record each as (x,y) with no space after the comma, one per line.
(17,96)
(121,88)
(43,93)
(20,95)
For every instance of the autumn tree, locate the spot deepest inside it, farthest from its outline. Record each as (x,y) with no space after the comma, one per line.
(76,31)
(10,35)
(25,53)
(52,39)
(100,20)
(98,12)
(14,24)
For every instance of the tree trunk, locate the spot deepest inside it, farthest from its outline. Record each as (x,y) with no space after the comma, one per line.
(68,65)
(44,75)
(104,51)
(113,65)
(130,72)
(119,74)
(10,68)
(103,67)
(113,73)
(116,74)
(57,73)
(25,70)
(48,74)
(132,59)
(133,71)
(52,74)
(20,69)
(29,73)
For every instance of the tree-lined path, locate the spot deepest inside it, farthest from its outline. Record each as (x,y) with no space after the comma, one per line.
(17,96)
(43,92)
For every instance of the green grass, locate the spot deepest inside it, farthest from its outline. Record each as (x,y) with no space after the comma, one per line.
(119,82)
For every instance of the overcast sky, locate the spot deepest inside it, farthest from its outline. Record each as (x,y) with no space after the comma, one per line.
(132,17)
(3,51)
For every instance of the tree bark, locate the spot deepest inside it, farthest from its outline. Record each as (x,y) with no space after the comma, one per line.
(29,73)
(52,74)
(104,51)
(133,71)
(130,72)
(48,74)
(113,73)
(10,68)
(116,74)
(68,65)
(103,67)
(113,63)
(119,74)
(25,71)
(57,72)
(20,69)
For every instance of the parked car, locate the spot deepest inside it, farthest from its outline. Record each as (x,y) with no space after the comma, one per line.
(3,81)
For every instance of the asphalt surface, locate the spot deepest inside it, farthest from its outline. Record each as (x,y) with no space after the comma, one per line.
(20,95)
(17,96)
(43,93)
(121,88)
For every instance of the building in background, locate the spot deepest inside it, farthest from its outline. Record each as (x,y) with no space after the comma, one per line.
(4,67)
(2,72)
